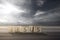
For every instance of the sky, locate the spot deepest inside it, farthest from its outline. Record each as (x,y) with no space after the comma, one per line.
(30,12)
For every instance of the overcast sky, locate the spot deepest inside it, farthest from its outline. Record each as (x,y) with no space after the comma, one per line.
(30,12)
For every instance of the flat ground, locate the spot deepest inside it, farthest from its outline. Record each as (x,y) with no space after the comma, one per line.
(26,36)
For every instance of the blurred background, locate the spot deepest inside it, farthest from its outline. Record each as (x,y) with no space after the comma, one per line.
(43,13)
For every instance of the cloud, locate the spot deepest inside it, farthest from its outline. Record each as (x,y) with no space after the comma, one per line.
(26,12)
(49,18)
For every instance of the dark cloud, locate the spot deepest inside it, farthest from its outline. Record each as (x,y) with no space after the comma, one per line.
(49,18)
(34,12)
